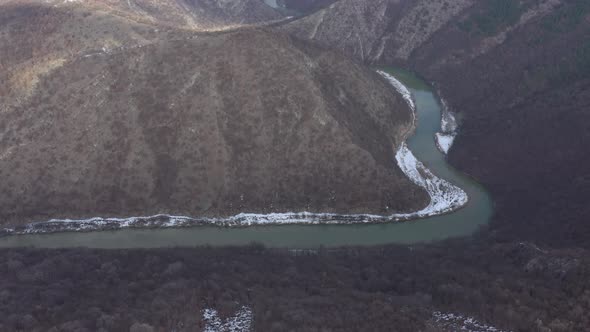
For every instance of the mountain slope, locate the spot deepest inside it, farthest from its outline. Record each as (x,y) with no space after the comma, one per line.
(522,83)
(215,125)
(517,73)
(187,14)
(374,31)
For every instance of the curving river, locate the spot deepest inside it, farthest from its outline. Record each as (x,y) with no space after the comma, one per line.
(272,3)
(465,221)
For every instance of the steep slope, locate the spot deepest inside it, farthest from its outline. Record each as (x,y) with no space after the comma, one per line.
(517,73)
(522,82)
(214,125)
(35,31)
(188,14)
(37,39)
(374,31)
(196,14)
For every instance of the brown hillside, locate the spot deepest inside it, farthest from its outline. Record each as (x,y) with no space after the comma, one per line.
(189,14)
(215,125)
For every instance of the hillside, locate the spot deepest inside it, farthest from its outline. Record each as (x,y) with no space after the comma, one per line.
(523,86)
(377,31)
(50,31)
(520,86)
(190,127)
(187,14)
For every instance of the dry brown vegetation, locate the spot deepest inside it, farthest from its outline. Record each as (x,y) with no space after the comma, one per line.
(377,31)
(208,124)
(186,14)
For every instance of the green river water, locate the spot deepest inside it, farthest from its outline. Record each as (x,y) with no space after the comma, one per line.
(460,223)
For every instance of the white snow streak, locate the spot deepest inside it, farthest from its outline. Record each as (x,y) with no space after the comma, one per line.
(401,88)
(444,196)
(448,124)
(457,323)
(240,322)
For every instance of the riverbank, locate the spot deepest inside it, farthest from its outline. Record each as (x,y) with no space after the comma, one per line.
(448,128)
(444,198)
(447,215)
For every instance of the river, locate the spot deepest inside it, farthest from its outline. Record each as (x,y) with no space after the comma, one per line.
(465,221)
(272,3)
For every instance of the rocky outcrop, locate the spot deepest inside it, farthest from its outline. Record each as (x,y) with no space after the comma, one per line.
(377,31)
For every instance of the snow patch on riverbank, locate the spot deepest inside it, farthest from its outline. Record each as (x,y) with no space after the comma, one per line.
(448,125)
(444,196)
(444,141)
(240,322)
(401,88)
(454,322)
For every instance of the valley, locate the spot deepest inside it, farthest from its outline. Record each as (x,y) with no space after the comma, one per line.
(451,213)
(512,72)
(438,147)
